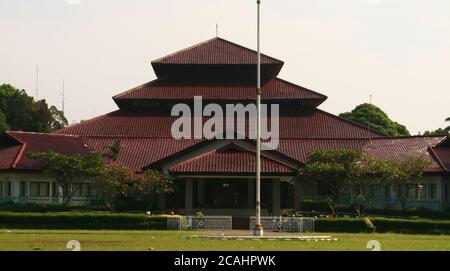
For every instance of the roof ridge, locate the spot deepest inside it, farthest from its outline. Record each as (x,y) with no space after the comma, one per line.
(19,155)
(351,122)
(436,157)
(156,61)
(184,50)
(138,87)
(84,122)
(298,86)
(41,133)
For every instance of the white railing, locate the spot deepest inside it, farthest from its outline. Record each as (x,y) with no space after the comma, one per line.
(285,224)
(200,223)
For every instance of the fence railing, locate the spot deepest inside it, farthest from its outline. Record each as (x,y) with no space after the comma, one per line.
(200,223)
(285,224)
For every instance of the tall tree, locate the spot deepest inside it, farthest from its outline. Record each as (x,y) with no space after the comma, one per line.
(334,170)
(68,170)
(448,128)
(405,173)
(3,124)
(373,117)
(23,113)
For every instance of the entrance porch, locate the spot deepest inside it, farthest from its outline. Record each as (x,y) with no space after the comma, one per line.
(232,196)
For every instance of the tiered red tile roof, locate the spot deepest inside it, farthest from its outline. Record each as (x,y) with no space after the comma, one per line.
(223,72)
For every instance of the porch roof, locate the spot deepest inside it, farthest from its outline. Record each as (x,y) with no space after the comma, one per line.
(231,160)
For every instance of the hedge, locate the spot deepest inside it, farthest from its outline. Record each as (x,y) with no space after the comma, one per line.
(82,221)
(383,225)
(47,208)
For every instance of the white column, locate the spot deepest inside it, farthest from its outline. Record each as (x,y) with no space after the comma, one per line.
(276,201)
(297,195)
(189,184)
(201,192)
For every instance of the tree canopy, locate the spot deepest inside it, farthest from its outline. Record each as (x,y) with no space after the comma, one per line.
(333,170)
(339,171)
(373,117)
(20,112)
(69,169)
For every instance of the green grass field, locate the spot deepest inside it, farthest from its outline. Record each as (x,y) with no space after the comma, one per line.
(54,240)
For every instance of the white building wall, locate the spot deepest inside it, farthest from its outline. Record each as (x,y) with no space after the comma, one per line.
(28,178)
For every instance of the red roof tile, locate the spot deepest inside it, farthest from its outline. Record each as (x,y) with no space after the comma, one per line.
(299,149)
(136,153)
(316,124)
(215,51)
(230,162)
(38,142)
(443,155)
(402,148)
(8,156)
(174,89)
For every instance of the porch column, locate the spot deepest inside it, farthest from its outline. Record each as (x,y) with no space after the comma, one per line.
(189,191)
(251,194)
(297,195)
(276,201)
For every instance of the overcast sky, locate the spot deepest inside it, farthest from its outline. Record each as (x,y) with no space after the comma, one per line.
(396,50)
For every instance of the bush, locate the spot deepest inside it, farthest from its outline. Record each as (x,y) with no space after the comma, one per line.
(382,225)
(81,221)
(350,225)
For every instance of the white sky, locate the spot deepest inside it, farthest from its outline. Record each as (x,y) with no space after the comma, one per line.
(396,50)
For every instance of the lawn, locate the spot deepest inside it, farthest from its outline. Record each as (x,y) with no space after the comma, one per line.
(25,240)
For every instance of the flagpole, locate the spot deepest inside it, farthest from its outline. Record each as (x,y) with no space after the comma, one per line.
(258,230)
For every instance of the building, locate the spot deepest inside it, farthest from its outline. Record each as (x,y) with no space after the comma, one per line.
(216,176)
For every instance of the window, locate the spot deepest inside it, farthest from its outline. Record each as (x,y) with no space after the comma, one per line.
(81,189)
(387,191)
(375,191)
(433,191)
(8,189)
(23,189)
(422,191)
(39,189)
(412,191)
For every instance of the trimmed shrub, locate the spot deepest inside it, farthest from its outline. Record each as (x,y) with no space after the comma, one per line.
(81,221)
(383,225)
(350,225)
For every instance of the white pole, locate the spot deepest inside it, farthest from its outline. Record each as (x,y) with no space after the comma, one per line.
(258,231)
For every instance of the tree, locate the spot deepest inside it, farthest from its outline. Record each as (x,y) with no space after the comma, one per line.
(368,170)
(68,170)
(118,182)
(114,150)
(373,117)
(333,169)
(150,185)
(448,128)
(58,120)
(438,132)
(114,183)
(403,174)
(3,125)
(23,113)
